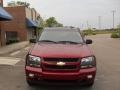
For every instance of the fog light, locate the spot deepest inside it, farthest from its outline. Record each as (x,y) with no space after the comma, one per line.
(31,75)
(89,76)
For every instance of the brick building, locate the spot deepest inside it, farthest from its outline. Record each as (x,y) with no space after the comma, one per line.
(23,26)
(4,16)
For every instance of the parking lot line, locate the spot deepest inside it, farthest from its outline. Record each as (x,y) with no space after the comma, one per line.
(9,60)
(27,48)
(14,53)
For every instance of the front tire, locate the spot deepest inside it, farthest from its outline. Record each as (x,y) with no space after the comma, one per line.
(30,82)
(90,83)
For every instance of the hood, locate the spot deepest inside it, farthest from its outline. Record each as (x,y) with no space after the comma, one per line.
(61,50)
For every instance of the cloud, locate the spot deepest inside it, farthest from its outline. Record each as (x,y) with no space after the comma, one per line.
(77,12)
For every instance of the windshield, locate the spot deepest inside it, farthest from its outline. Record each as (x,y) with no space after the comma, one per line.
(61,36)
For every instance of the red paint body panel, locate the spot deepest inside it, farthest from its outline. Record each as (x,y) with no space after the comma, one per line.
(61,50)
(48,50)
(81,74)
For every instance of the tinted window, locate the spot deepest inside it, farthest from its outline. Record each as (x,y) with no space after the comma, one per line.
(61,35)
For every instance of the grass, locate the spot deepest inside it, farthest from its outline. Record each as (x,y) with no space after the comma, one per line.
(86,32)
(108,31)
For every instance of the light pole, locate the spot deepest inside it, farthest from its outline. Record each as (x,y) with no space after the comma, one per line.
(81,26)
(99,22)
(88,26)
(113,12)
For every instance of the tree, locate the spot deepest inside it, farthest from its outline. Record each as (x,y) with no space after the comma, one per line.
(18,3)
(51,22)
(118,26)
(118,30)
(59,25)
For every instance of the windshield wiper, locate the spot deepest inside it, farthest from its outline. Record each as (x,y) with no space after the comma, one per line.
(47,41)
(71,42)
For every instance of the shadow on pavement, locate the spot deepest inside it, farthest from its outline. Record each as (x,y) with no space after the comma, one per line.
(59,87)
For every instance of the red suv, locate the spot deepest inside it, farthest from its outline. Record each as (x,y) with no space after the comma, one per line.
(61,54)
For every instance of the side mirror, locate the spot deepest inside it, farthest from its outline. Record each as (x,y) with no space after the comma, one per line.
(32,41)
(89,41)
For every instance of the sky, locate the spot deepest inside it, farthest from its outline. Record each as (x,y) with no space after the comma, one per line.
(78,13)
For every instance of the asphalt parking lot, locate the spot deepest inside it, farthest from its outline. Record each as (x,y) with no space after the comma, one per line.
(107,51)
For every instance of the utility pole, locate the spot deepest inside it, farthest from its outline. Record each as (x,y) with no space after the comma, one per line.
(87,25)
(99,22)
(113,12)
(82,26)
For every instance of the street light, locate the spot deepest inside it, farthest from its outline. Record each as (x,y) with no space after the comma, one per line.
(99,22)
(88,25)
(113,12)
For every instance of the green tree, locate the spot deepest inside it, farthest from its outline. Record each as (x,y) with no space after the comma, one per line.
(18,3)
(118,26)
(118,29)
(52,22)
(59,25)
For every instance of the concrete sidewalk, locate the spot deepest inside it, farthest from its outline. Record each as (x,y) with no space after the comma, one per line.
(13,47)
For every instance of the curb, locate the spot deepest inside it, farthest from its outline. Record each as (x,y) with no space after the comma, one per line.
(4,51)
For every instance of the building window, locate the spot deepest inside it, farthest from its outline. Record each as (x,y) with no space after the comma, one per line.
(11,37)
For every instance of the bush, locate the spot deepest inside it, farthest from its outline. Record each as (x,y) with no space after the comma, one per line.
(119,35)
(85,33)
(118,31)
(93,33)
(88,32)
(11,42)
(115,35)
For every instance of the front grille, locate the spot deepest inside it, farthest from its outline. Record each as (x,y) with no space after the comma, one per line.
(51,64)
(61,59)
(55,67)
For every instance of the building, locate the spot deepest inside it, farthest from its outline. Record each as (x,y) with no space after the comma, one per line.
(4,16)
(23,26)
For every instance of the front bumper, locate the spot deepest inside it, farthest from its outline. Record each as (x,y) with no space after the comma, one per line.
(82,74)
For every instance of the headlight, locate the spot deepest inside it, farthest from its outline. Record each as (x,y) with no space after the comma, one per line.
(88,62)
(33,61)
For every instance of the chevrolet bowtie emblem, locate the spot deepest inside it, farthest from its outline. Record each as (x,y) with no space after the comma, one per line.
(61,63)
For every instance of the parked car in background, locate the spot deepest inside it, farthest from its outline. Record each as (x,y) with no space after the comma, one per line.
(61,54)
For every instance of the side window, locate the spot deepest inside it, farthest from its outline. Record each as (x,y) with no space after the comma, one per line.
(83,36)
